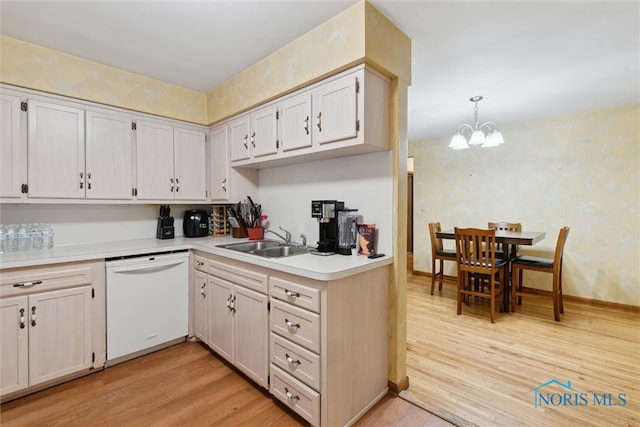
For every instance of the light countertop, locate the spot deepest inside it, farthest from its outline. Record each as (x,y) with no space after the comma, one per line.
(307,265)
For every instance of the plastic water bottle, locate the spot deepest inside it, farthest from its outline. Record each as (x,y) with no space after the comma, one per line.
(47,236)
(35,232)
(3,239)
(24,239)
(12,238)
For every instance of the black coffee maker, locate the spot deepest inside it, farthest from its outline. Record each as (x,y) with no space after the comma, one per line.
(326,212)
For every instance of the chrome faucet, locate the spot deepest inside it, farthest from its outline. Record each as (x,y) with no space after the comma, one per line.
(304,240)
(286,237)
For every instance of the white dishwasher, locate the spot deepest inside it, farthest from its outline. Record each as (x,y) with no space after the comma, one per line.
(147,303)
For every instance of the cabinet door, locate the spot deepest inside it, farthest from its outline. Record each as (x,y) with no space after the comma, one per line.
(55,151)
(201,306)
(14,358)
(12,162)
(336,110)
(219,164)
(109,149)
(221,312)
(252,334)
(239,138)
(264,132)
(295,122)
(59,333)
(190,163)
(154,161)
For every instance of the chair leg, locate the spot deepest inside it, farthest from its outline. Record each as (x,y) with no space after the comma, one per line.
(520,285)
(556,301)
(560,291)
(516,274)
(441,274)
(460,279)
(433,274)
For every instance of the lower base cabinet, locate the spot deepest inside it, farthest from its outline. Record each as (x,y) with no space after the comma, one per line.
(52,325)
(320,347)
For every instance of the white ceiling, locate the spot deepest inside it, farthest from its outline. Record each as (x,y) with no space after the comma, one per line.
(529,59)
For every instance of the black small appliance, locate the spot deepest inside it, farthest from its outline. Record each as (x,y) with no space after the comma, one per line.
(195,223)
(326,212)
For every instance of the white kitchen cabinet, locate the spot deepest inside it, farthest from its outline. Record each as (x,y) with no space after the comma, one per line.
(335,110)
(227,184)
(295,122)
(109,148)
(219,163)
(170,162)
(343,115)
(190,164)
(239,138)
(328,344)
(221,315)
(201,306)
(264,132)
(13,165)
(53,324)
(56,151)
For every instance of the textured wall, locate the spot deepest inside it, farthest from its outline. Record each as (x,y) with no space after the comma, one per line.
(35,67)
(580,170)
(359,33)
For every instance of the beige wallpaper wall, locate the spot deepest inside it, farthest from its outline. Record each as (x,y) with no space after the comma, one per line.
(580,170)
(36,67)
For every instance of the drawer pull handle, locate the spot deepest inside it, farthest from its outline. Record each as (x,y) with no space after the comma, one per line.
(27,285)
(199,263)
(290,395)
(291,294)
(290,361)
(291,325)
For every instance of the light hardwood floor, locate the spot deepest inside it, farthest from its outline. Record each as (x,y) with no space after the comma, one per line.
(486,373)
(183,385)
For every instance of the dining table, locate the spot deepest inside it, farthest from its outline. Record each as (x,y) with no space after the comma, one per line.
(510,240)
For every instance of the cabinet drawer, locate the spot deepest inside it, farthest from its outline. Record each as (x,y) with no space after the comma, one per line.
(295,293)
(239,275)
(296,361)
(297,396)
(200,263)
(20,281)
(295,324)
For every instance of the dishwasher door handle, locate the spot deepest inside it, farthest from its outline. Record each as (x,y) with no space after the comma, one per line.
(153,268)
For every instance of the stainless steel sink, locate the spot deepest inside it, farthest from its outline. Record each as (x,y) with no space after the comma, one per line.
(266,248)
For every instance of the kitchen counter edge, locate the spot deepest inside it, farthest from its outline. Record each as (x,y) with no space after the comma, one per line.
(307,265)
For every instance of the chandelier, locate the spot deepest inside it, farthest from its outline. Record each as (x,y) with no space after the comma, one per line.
(492,138)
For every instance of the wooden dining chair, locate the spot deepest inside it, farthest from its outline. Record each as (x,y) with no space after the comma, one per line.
(508,226)
(477,262)
(546,265)
(440,254)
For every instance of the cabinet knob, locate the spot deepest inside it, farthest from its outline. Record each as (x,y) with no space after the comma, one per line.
(291,361)
(291,294)
(290,395)
(291,325)
(22,319)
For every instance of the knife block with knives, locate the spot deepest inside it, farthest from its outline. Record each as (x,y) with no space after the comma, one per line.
(165,229)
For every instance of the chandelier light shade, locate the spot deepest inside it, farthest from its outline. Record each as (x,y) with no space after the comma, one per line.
(477,137)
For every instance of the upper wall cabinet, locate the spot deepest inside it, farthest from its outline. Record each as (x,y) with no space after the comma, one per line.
(228,185)
(13,165)
(171,162)
(55,151)
(343,115)
(109,148)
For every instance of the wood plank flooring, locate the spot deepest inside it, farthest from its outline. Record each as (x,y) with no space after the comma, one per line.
(486,373)
(183,385)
